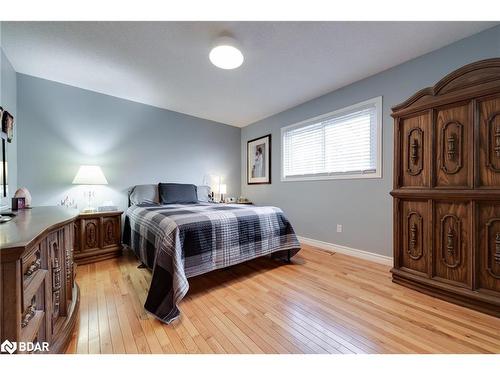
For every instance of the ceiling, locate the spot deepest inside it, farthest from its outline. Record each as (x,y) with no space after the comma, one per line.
(166,64)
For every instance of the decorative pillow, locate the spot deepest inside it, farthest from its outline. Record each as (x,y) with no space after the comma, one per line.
(177,193)
(203,193)
(144,194)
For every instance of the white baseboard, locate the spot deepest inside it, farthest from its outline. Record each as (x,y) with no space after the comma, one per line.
(383,259)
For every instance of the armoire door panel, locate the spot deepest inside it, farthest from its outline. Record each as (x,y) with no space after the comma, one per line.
(452,242)
(453,133)
(489,246)
(489,142)
(414,239)
(416,135)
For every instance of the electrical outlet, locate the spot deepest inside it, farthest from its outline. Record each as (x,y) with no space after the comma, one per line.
(339,228)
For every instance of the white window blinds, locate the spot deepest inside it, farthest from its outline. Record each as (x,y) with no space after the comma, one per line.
(341,144)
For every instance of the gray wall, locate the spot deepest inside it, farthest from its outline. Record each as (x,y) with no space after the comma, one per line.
(63,127)
(364,207)
(8,100)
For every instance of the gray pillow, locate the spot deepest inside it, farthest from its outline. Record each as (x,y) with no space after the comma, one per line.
(171,193)
(144,194)
(203,193)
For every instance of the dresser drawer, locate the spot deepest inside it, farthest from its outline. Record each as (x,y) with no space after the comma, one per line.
(33,322)
(31,262)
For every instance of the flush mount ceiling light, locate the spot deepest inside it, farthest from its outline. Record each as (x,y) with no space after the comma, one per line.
(225,54)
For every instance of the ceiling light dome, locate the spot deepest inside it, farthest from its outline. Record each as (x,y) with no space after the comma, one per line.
(225,54)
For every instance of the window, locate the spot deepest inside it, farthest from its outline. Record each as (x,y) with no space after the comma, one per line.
(343,144)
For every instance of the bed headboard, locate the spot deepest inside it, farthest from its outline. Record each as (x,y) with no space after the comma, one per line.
(149,193)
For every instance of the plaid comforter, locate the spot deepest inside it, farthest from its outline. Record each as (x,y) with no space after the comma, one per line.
(181,241)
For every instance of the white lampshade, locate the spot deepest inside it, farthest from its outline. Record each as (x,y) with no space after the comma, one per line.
(90,175)
(223,189)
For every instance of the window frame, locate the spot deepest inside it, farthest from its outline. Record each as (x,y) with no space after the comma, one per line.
(377,101)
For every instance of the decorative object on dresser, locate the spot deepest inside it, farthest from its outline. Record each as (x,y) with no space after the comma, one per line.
(97,236)
(24,193)
(38,294)
(90,175)
(18,203)
(447,188)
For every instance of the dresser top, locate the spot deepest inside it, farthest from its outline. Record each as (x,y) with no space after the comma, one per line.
(28,224)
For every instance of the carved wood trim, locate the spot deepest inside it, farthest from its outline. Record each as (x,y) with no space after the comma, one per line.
(415,235)
(492,253)
(451,240)
(415,152)
(493,143)
(109,232)
(91,239)
(449,148)
(458,74)
(56,278)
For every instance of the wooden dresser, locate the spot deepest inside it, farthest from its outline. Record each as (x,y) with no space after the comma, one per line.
(38,294)
(98,236)
(447,188)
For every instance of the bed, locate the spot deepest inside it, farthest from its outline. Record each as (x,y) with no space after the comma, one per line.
(177,241)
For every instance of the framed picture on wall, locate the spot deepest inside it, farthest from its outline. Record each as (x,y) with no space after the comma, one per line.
(8,125)
(259,160)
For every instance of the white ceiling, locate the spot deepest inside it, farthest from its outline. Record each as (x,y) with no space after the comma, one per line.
(166,64)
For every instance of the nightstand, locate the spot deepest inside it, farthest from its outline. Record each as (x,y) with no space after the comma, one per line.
(97,236)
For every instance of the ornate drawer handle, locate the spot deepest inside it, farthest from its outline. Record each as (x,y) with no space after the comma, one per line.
(29,314)
(497,248)
(414,151)
(35,266)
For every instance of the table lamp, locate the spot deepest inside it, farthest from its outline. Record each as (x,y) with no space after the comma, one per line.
(89,175)
(222,191)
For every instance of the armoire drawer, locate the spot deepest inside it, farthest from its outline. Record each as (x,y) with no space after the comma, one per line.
(452,242)
(415,140)
(489,246)
(414,236)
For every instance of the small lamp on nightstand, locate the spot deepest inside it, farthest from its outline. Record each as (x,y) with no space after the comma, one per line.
(90,175)
(222,191)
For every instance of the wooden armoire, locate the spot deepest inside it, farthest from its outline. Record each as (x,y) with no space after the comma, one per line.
(447,188)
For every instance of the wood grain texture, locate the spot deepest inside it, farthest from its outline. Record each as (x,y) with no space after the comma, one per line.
(320,303)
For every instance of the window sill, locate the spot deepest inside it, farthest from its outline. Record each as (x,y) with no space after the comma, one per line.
(337,177)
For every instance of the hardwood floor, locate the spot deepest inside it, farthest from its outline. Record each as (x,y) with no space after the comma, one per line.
(321,303)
